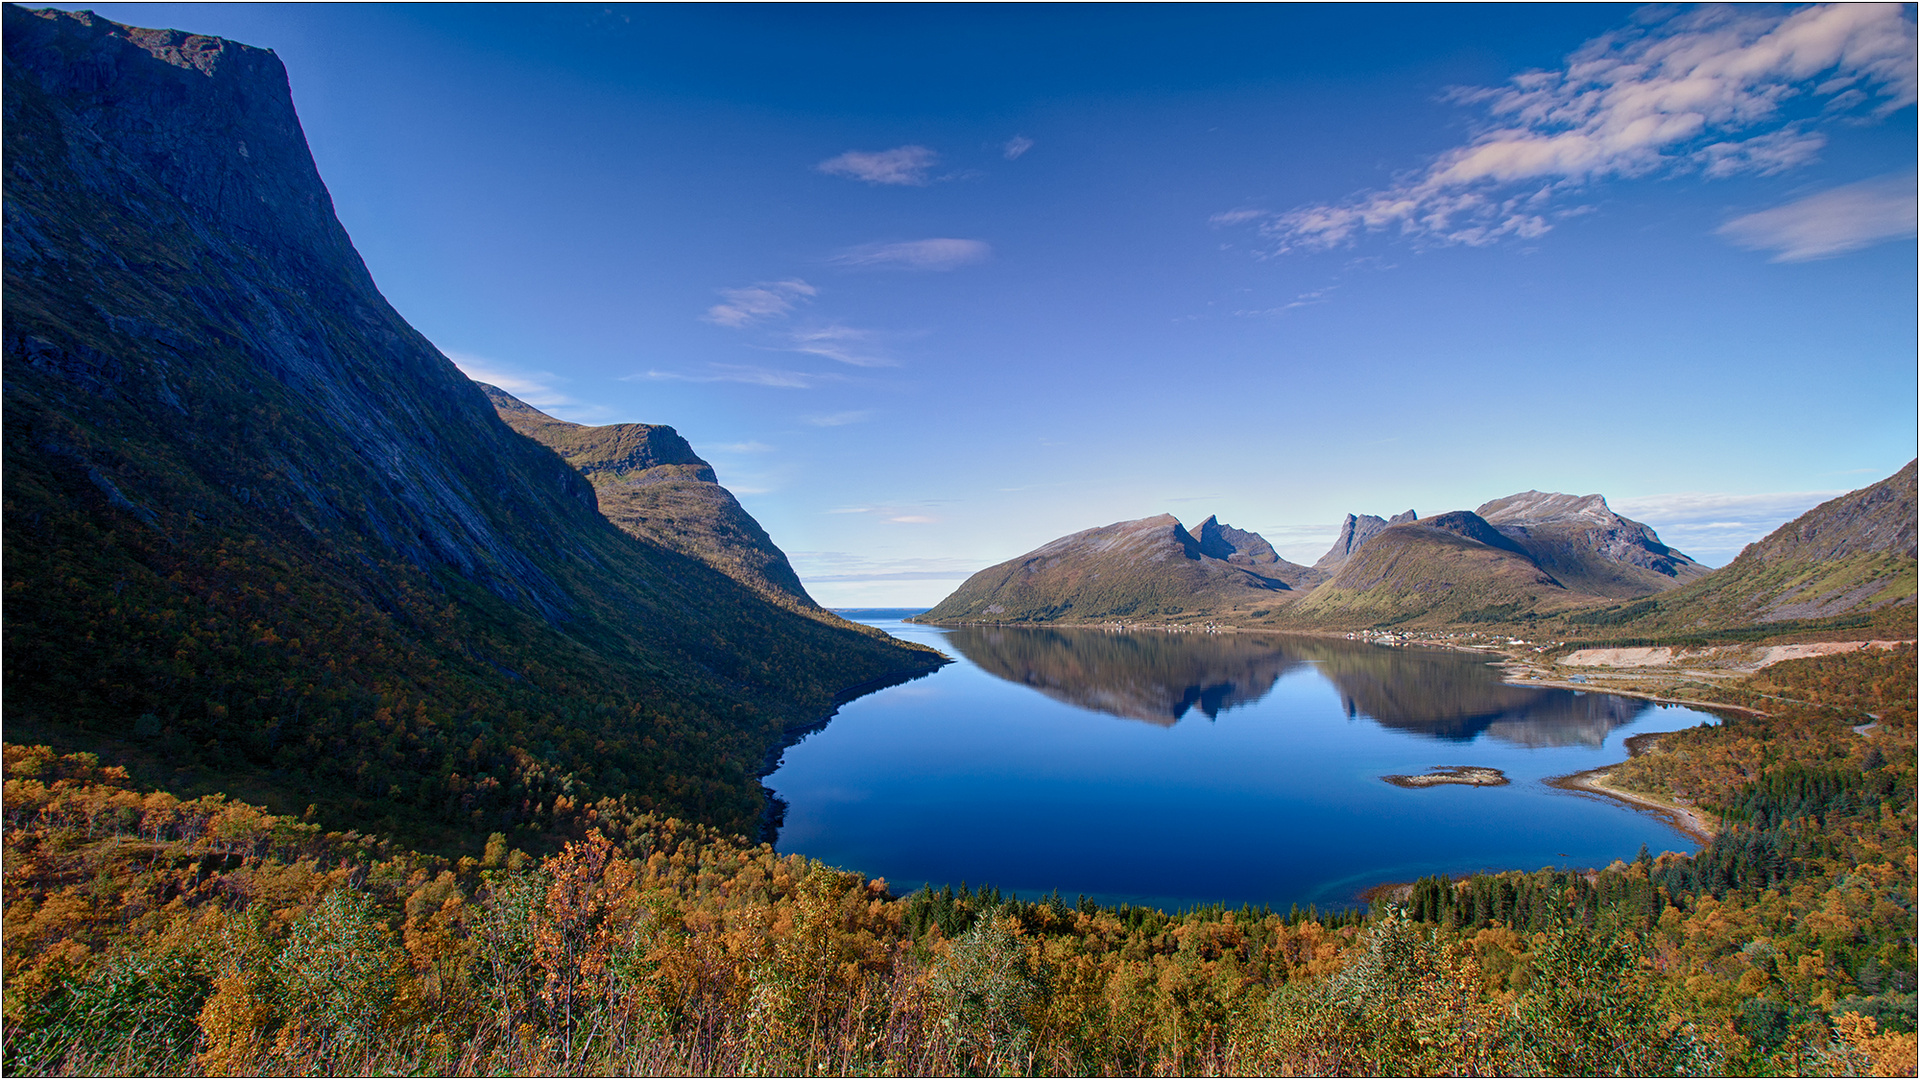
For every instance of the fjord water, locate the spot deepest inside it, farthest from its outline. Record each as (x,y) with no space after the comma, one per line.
(1192,768)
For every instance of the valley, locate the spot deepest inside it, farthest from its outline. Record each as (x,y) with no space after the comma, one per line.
(364,718)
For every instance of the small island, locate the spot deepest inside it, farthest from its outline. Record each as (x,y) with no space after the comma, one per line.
(1470,775)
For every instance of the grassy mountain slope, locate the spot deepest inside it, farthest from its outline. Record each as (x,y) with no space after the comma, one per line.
(1450,567)
(260,536)
(1850,559)
(1146,569)
(650,483)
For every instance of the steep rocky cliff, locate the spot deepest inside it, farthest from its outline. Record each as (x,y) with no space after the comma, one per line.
(1589,548)
(1251,550)
(1355,531)
(261,535)
(652,485)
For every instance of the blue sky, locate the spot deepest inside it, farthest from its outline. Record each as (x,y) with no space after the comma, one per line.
(933,285)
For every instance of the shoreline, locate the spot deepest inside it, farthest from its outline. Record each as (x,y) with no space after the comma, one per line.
(1695,824)
(1692,822)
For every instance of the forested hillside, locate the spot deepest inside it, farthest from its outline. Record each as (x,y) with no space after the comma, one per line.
(151,934)
(261,537)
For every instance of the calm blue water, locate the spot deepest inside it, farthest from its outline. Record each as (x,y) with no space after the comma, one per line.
(1176,769)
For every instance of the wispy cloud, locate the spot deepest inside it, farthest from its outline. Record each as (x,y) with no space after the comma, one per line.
(1703,90)
(839,419)
(939,253)
(745,373)
(1713,527)
(1016,146)
(846,344)
(1239,217)
(743,448)
(759,302)
(904,165)
(1305,299)
(815,566)
(1832,222)
(913,519)
(536,388)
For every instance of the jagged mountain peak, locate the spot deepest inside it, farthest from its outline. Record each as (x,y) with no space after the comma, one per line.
(1356,530)
(1222,541)
(1539,507)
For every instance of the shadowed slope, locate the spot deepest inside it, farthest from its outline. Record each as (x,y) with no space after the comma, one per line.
(260,536)
(1589,548)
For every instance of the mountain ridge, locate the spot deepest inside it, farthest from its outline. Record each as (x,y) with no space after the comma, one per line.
(650,482)
(262,536)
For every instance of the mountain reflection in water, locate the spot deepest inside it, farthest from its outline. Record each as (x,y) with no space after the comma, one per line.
(1159,677)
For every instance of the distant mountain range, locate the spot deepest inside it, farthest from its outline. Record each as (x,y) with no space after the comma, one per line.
(1133,570)
(1515,559)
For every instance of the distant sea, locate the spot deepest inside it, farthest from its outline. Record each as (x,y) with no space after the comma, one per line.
(878,612)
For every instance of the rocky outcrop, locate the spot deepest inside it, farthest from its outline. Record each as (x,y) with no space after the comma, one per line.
(1251,550)
(1355,531)
(652,485)
(1585,545)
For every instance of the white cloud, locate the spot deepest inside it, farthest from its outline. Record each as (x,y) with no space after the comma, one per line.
(759,302)
(839,419)
(1830,223)
(1239,217)
(840,566)
(846,344)
(1702,90)
(743,448)
(535,388)
(905,165)
(939,253)
(913,519)
(1016,146)
(1713,527)
(745,373)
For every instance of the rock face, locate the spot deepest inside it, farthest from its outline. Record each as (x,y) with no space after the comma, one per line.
(1853,556)
(1589,548)
(652,485)
(1131,570)
(1355,531)
(1251,550)
(247,501)
(1876,520)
